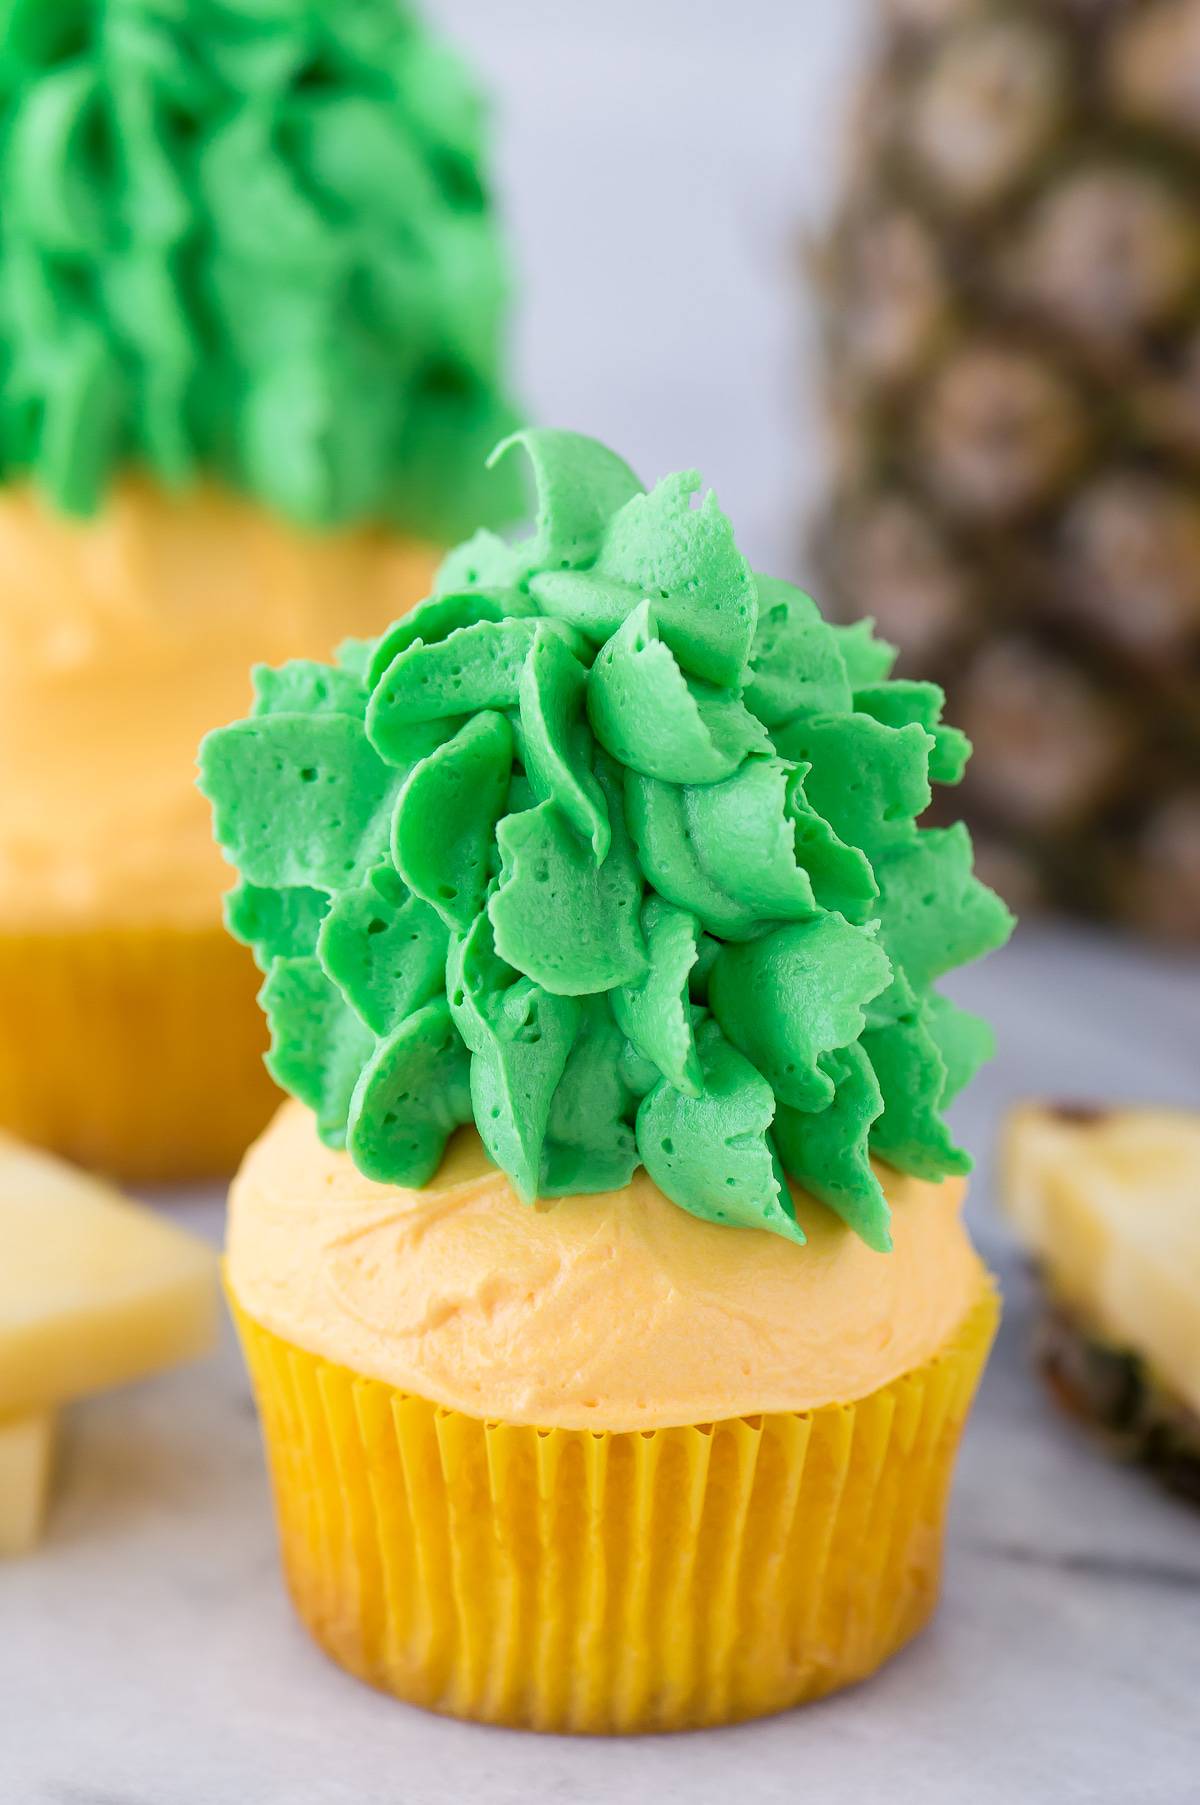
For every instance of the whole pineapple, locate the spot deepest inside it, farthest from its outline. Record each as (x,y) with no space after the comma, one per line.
(1013,352)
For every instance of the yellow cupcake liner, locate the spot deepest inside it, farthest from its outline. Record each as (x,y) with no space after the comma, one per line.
(575,1580)
(136,1051)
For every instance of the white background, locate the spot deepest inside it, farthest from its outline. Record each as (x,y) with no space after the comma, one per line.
(663,165)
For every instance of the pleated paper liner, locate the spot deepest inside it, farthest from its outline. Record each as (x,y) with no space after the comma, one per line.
(135,1051)
(576,1580)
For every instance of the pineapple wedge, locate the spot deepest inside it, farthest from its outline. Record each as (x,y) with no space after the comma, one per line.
(94,1290)
(1107,1202)
(26,1457)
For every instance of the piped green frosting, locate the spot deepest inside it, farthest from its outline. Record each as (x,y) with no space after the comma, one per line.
(249,238)
(612,847)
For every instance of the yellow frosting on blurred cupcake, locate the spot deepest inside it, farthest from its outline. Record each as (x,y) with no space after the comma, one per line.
(256,247)
(123,639)
(130,1037)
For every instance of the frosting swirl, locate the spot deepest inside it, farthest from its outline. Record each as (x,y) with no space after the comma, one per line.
(611,846)
(254,242)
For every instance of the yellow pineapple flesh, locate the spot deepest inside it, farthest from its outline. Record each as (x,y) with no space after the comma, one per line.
(1107,1204)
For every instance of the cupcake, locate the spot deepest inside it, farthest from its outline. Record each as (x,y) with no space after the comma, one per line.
(604,1288)
(251,294)
(1107,1204)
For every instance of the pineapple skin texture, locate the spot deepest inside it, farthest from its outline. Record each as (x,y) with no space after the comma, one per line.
(1013,357)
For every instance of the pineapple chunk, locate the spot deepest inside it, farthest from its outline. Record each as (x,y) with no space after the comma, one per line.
(94,1290)
(1108,1203)
(26,1456)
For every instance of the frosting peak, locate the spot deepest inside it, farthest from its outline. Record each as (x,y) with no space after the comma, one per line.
(611,846)
(253,242)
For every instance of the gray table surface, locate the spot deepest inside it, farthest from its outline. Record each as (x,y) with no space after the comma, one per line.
(662,159)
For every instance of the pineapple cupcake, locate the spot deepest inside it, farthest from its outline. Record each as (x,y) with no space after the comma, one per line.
(604,1287)
(1107,1202)
(251,293)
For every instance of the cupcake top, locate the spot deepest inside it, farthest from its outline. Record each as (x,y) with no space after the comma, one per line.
(611,847)
(610,1312)
(253,241)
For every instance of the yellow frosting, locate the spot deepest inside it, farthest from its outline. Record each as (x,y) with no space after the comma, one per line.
(612,1312)
(122,640)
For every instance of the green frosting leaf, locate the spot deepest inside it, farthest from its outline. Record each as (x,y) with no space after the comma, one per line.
(411,1095)
(653,720)
(354,656)
(791,996)
(686,561)
(557,746)
(384,948)
(580,486)
(252,241)
(914,1084)
(746,852)
(869,781)
(594,605)
(659,821)
(431,621)
(318,1044)
(476,667)
(712,1154)
(828,1151)
(934,912)
(867,659)
(444,827)
(759,837)
(655,1015)
(484,562)
(796,666)
(569,923)
(963,1040)
(613,848)
(520,1037)
(277,924)
(903,702)
(303,686)
(298,799)
(590,1143)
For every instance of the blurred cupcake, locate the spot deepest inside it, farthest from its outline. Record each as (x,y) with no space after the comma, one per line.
(251,294)
(1107,1202)
(597,884)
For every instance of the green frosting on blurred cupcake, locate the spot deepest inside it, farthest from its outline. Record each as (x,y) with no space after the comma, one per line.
(611,846)
(250,238)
